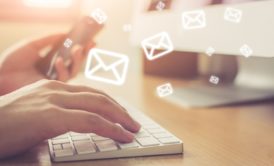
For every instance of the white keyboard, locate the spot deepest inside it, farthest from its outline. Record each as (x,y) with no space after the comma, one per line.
(152,139)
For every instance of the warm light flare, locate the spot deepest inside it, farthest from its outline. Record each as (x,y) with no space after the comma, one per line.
(48,3)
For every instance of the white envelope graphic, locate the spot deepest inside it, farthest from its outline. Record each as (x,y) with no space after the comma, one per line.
(164,90)
(99,16)
(157,46)
(233,15)
(246,51)
(214,79)
(112,72)
(210,51)
(194,19)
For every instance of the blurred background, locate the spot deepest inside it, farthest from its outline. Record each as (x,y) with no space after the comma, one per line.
(21,19)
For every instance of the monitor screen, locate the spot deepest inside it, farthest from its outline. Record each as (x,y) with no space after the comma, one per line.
(229,28)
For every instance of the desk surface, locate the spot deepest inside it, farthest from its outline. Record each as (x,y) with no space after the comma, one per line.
(238,135)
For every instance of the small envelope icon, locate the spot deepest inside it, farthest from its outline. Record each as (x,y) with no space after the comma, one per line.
(233,15)
(99,16)
(157,46)
(246,51)
(214,79)
(194,19)
(164,90)
(210,51)
(106,66)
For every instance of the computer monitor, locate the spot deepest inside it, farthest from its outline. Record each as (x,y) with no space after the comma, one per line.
(255,76)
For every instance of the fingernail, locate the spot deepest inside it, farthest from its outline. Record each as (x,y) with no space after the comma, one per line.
(129,136)
(137,126)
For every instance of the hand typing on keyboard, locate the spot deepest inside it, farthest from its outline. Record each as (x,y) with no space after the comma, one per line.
(152,139)
(47,109)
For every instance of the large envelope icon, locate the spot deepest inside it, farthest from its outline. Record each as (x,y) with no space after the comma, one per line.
(112,71)
(194,19)
(232,14)
(157,46)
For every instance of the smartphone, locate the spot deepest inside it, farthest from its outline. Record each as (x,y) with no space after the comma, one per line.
(82,33)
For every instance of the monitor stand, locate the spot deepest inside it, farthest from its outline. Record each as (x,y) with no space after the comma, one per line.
(254,82)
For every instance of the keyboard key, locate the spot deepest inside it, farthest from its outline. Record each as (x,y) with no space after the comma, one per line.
(75,134)
(57,147)
(99,138)
(92,135)
(63,153)
(106,145)
(66,146)
(169,140)
(80,137)
(133,144)
(148,141)
(156,130)
(162,135)
(60,141)
(84,147)
(145,122)
(64,136)
(142,133)
(151,126)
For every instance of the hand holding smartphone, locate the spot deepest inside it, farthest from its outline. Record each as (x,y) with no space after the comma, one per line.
(82,33)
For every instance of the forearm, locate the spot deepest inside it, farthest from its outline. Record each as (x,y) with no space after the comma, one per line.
(11,81)
(7,84)
(4,86)
(1,81)
(19,130)
(16,138)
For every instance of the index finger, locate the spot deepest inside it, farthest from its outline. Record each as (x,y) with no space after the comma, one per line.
(80,88)
(90,122)
(99,104)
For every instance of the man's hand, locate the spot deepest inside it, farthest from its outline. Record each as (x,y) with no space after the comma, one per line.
(46,109)
(18,63)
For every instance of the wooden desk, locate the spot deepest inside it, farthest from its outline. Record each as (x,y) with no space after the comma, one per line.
(239,135)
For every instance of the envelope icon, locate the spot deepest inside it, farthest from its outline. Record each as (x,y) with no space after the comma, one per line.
(157,46)
(99,16)
(106,66)
(68,43)
(194,19)
(210,51)
(214,79)
(164,90)
(233,15)
(246,51)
